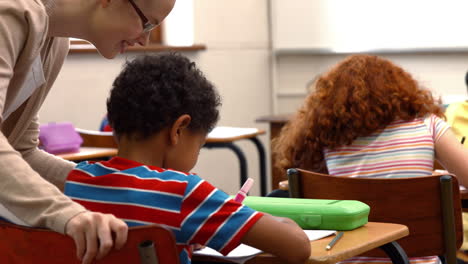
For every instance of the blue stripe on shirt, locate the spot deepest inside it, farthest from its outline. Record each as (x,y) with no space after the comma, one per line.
(124,195)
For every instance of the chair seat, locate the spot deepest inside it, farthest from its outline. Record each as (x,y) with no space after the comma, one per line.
(429,205)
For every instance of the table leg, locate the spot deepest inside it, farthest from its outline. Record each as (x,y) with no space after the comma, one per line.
(395,252)
(262,162)
(240,156)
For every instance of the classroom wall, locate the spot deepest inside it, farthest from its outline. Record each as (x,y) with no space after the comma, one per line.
(443,73)
(236,61)
(308,37)
(340,25)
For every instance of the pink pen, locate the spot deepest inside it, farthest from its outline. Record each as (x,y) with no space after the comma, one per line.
(240,196)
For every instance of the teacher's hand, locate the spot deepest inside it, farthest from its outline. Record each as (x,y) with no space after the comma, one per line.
(92,233)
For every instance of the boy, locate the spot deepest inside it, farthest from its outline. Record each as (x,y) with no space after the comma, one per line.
(161,109)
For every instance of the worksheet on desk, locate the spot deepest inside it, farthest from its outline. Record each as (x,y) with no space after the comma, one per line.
(242,253)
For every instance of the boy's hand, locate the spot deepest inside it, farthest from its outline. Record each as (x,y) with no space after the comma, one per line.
(92,233)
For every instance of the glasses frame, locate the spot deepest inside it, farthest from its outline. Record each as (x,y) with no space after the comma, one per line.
(147,26)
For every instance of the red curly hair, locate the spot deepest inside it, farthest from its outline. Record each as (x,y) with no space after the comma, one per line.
(360,95)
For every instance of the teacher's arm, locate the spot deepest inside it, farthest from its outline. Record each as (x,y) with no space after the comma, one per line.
(31,198)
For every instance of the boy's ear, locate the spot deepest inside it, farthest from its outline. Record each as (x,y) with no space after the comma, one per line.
(178,127)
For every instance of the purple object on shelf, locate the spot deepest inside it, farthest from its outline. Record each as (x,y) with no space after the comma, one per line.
(59,137)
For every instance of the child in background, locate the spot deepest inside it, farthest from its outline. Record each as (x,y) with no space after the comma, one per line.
(369,118)
(104,126)
(457,117)
(161,109)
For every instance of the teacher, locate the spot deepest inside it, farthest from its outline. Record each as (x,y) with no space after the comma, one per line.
(33,46)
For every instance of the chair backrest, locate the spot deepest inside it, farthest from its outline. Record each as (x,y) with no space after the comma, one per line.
(430,206)
(94,138)
(145,244)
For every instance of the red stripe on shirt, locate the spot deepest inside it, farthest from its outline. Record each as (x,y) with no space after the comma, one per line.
(122,181)
(133,212)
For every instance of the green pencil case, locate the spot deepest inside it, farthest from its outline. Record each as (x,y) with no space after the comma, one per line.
(314,213)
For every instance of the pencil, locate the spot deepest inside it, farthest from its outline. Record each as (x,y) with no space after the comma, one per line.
(335,239)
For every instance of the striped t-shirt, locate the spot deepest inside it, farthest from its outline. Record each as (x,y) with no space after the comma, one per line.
(402,149)
(193,209)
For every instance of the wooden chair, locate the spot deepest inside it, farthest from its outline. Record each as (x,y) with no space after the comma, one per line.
(94,138)
(145,244)
(430,206)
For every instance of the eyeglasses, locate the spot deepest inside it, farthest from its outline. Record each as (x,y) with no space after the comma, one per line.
(147,26)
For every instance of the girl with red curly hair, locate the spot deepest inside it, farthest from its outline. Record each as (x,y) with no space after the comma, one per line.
(368,117)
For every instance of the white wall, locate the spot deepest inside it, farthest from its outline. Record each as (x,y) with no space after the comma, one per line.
(443,73)
(236,61)
(311,36)
(343,25)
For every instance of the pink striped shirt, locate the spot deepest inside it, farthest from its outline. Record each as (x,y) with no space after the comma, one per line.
(402,149)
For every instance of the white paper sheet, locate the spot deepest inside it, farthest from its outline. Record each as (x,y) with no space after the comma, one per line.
(242,253)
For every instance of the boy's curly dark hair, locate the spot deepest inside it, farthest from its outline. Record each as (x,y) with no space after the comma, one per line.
(360,95)
(152,91)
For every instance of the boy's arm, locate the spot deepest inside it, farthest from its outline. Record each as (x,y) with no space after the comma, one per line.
(217,221)
(279,236)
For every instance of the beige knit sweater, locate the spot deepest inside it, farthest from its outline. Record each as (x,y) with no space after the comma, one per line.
(30,179)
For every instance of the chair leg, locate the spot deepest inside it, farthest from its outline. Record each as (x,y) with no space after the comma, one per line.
(293,179)
(395,252)
(448,219)
(240,155)
(147,252)
(262,164)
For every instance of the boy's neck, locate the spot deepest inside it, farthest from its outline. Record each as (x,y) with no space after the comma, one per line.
(148,152)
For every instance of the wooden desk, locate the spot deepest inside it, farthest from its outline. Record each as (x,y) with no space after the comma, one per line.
(353,243)
(87,153)
(224,134)
(224,137)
